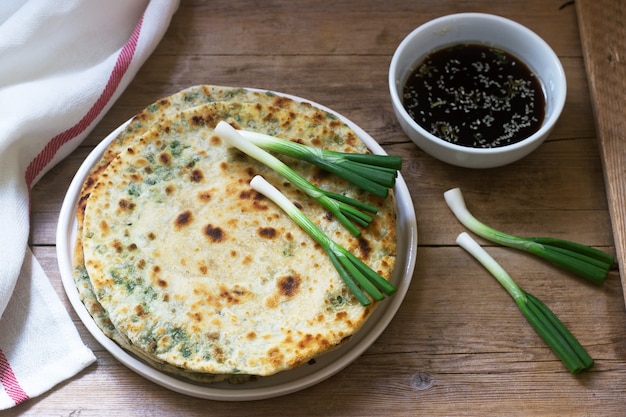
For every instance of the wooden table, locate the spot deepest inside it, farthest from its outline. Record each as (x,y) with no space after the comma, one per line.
(458,345)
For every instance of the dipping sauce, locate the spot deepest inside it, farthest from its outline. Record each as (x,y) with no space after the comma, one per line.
(475,95)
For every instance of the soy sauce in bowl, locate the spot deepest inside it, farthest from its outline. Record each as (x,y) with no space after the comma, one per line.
(475,95)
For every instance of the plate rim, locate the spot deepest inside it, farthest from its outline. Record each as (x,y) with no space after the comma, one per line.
(346,354)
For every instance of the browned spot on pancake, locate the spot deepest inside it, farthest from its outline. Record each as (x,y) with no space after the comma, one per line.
(215,140)
(224,166)
(288,236)
(215,234)
(132,247)
(82,203)
(298,205)
(195,316)
(273,216)
(183,219)
(169,189)
(162,283)
(351,139)
(271,302)
(251,335)
(341,316)
(279,101)
(335,124)
(309,341)
(267,232)
(246,194)
(139,310)
(288,286)
(270,117)
(151,236)
(141,263)
(197,120)
(196,175)
(143,115)
(126,205)
(165,158)
(276,358)
(203,269)
(130,151)
(316,142)
(232,295)
(259,204)
(136,177)
(117,245)
(306,341)
(318,115)
(218,354)
(90,182)
(233,253)
(104,227)
(365,248)
(204,196)
(147,169)
(247,260)
(213,336)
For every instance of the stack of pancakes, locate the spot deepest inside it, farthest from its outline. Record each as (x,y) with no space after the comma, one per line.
(183,264)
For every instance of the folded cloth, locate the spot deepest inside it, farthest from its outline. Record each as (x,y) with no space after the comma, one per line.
(62,66)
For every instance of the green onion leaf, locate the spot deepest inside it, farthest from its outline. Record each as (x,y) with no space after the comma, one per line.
(373,173)
(542,319)
(360,279)
(343,208)
(582,260)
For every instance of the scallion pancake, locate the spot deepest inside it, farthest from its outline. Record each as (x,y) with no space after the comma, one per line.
(199,271)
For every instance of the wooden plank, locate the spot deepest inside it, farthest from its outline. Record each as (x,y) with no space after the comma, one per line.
(458,345)
(603,37)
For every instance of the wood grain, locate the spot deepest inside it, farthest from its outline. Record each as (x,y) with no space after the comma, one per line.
(458,346)
(603,33)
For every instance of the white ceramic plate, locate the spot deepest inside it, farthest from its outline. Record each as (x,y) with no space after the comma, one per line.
(267,387)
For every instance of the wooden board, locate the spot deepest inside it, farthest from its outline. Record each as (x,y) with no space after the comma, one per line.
(603,38)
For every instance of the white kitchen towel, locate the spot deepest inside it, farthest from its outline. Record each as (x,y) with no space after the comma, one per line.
(62,66)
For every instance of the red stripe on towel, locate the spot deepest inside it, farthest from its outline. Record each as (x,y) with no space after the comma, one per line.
(9,381)
(121,65)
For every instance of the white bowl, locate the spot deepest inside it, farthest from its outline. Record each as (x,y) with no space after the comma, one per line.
(489,30)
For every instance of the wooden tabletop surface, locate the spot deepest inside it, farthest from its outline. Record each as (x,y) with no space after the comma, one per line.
(458,344)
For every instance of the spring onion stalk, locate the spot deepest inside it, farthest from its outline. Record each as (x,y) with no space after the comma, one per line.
(373,173)
(345,209)
(541,318)
(582,260)
(359,278)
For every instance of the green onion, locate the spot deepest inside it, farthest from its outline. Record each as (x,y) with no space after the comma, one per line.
(582,260)
(542,319)
(345,209)
(373,173)
(360,279)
